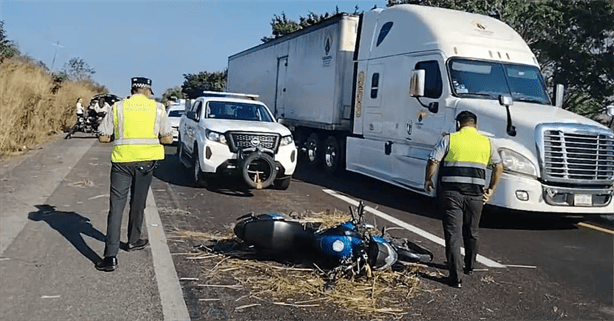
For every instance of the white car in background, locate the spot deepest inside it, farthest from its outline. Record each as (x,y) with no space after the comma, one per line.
(174,114)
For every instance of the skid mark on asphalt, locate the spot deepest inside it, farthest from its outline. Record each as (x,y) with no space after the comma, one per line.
(486,261)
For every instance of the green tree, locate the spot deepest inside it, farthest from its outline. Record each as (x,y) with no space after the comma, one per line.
(194,84)
(282,25)
(572,40)
(77,69)
(8,48)
(173,92)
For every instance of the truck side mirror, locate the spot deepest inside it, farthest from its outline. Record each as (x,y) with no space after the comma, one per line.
(416,83)
(610,110)
(558,95)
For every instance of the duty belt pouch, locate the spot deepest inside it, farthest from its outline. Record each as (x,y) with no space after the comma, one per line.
(146,168)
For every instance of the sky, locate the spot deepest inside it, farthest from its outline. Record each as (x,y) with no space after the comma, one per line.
(160,40)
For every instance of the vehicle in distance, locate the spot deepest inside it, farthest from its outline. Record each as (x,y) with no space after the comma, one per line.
(174,113)
(229,133)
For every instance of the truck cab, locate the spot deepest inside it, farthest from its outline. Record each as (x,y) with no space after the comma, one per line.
(229,133)
(417,67)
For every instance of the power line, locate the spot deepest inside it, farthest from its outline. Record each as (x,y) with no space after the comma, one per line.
(57,44)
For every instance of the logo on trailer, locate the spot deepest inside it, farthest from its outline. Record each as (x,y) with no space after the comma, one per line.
(328,43)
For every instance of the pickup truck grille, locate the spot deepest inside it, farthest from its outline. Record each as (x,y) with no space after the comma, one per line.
(249,140)
(578,154)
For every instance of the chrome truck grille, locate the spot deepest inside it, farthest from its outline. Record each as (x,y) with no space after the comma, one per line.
(241,140)
(576,154)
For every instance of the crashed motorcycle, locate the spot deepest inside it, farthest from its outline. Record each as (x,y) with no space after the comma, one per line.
(354,244)
(88,123)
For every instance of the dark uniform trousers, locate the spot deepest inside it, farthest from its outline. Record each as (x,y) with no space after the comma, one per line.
(133,177)
(461,216)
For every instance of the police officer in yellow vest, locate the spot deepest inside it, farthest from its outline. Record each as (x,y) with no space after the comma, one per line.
(138,126)
(465,155)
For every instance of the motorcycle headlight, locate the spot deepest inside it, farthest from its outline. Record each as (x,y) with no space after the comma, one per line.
(514,162)
(286,140)
(216,137)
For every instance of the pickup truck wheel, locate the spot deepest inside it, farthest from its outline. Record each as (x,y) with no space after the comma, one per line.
(180,153)
(332,154)
(311,147)
(282,183)
(199,177)
(259,170)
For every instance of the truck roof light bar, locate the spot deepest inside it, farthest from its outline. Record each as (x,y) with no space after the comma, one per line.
(227,94)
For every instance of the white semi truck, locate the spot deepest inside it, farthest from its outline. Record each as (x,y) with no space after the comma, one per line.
(375,92)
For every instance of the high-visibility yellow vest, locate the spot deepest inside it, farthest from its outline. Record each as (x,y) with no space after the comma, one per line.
(467,158)
(136,129)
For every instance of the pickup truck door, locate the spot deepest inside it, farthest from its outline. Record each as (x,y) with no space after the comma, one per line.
(422,127)
(191,126)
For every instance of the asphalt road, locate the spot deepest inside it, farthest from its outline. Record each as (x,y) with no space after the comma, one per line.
(550,267)
(53,219)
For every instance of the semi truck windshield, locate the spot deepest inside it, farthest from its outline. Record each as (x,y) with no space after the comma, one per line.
(480,79)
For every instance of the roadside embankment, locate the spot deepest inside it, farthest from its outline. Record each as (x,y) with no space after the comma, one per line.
(34,106)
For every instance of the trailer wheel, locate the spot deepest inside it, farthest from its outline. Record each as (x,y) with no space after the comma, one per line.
(311,146)
(332,154)
(259,170)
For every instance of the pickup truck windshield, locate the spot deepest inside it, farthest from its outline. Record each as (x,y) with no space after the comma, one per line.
(238,111)
(488,80)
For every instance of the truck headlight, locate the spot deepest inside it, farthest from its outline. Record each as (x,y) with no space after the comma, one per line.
(216,137)
(514,162)
(286,140)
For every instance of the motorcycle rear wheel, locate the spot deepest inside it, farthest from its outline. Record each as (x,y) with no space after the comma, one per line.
(411,253)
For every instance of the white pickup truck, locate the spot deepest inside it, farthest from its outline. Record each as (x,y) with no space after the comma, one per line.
(229,133)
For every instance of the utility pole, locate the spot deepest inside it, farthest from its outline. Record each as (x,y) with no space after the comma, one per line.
(57,44)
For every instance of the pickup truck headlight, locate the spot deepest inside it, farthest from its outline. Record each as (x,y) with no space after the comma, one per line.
(514,162)
(286,140)
(216,137)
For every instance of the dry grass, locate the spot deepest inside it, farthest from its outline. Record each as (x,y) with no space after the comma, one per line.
(32,107)
(384,295)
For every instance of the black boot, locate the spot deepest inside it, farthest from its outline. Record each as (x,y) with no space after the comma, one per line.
(108,264)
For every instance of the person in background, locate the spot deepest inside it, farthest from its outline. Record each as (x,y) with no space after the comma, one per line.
(102,107)
(138,126)
(465,155)
(79,110)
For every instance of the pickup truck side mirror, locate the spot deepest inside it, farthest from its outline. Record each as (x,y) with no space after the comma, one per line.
(416,83)
(610,110)
(558,95)
(191,115)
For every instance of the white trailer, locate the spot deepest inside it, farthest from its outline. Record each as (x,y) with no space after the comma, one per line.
(375,92)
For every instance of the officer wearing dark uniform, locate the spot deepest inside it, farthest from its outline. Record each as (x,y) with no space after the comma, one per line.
(138,126)
(465,155)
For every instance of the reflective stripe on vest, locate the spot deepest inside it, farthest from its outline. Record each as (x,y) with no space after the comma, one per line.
(467,158)
(137,125)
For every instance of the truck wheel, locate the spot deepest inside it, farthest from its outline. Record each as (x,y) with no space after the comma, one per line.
(259,170)
(282,183)
(332,154)
(311,146)
(199,177)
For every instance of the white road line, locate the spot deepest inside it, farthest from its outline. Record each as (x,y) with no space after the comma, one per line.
(171,294)
(486,261)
